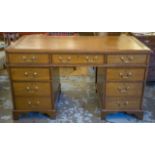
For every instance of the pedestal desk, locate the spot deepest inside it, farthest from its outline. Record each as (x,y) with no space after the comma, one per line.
(33,63)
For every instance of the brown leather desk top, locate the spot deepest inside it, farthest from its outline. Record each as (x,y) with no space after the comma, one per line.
(79,44)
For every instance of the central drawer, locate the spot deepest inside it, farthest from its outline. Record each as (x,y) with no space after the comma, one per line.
(126,74)
(33,103)
(30,74)
(122,103)
(32,88)
(28,58)
(127,59)
(124,89)
(77,59)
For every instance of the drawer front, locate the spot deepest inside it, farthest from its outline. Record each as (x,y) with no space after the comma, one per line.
(30,73)
(30,103)
(126,74)
(121,103)
(77,59)
(124,89)
(28,58)
(127,59)
(32,88)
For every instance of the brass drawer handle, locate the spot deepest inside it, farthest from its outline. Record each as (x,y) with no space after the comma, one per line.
(126,59)
(26,73)
(91,59)
(28,88)
(125,75)
(124,89)
(31,75)
(96,57)
(35,74)
(130,58)
(87,59)
(32,90)
(124,104)
(33,105)
(32,59)
(61,59)
(69,58)
(24,58)
(64,60)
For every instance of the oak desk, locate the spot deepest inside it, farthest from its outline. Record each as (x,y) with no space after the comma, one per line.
(33,64)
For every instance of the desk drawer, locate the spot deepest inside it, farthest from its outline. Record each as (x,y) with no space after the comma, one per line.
(123,89)
(32,88)
(30,74)
(77,59)
(121,103)
(126,74)
(31,103)
(28,58)
(127,59)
